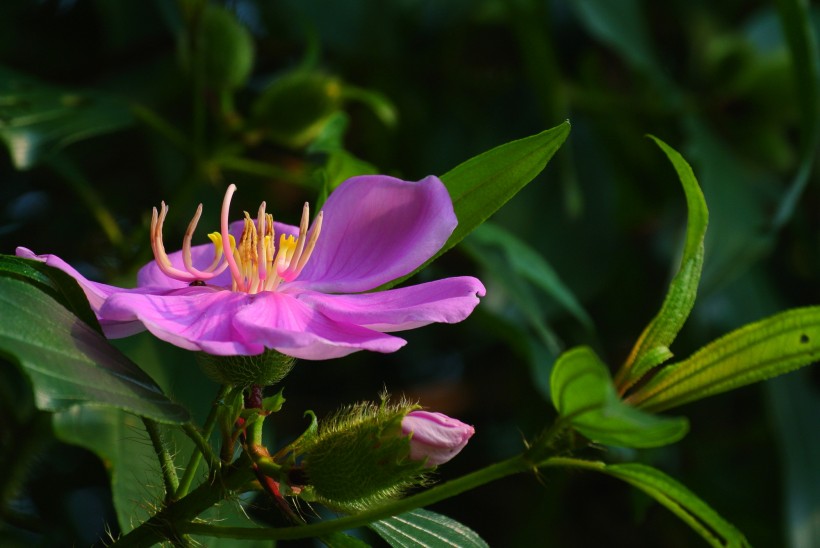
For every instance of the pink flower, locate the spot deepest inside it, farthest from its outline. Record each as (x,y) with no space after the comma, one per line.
(435,436)
(300,295)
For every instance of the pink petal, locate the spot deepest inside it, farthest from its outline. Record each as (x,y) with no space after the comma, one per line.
(194,318)
(449,300)
(376,229)
(309,335)
(435,436)
(95,292)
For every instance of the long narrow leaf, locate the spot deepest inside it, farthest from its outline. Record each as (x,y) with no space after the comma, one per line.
(652,347)
(757,351)
(680,501)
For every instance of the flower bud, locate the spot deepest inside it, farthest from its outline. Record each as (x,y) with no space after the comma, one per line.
(263,369)
(369,453)
(435,438)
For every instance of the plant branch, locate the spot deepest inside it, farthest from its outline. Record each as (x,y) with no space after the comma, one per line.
(166,463)
(440,492)
(203,446)
(196,456)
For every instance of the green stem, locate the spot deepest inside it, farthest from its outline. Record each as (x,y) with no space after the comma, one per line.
(196,456)
(166,524)
(440,492)
(203,446)
(166,463)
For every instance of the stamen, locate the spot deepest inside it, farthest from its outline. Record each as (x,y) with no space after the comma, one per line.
(226,204)
(261,252)
(163,262)
(255,262)
(212,270)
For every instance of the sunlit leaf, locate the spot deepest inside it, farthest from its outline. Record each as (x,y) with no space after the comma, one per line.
(69,362)
(583,393)
(484,183)
(37,119)
(652,347)
(755,352)
(425,528)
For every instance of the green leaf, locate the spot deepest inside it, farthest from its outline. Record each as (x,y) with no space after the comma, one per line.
(680,501)
(37,119)
(69,362)
(755,352)
(425,528)
(528,265)
(583,393)
(652,347)
(484,183)
(121,442)
(53,281)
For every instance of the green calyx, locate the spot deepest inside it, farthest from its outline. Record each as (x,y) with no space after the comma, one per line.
(263,369)
(359,458)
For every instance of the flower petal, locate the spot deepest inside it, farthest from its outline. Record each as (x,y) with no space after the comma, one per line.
(278,320)
(194,318)
(376,229)
(95,292)
(447,301)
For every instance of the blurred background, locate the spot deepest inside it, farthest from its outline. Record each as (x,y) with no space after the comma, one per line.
(107,108)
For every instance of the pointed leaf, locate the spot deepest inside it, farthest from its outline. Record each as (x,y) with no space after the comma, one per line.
(583,394)
(425,528)
(68,362)
(757,351)
(681,501)
(484,183)
(676,497)
(652,347)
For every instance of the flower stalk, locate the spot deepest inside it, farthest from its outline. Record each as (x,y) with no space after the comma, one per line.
(166,462)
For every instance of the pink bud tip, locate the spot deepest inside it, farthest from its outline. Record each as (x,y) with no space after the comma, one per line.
(435,436)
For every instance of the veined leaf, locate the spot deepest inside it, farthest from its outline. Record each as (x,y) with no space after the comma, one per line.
(69,362)
(652,347)
(583,393)
(757,351)
(425,528)
(37,119)
(484,183)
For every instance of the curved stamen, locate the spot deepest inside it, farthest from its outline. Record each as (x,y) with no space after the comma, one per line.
(226,248)
(187,259)
(161,257)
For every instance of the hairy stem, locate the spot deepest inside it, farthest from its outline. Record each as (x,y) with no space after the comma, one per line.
(203,446)
(196,456)
(166,463)
(167,524)
(451,488)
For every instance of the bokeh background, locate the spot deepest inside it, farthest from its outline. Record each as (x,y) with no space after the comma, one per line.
(107,108)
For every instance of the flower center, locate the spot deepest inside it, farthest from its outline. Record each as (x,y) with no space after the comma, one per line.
(255,263)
